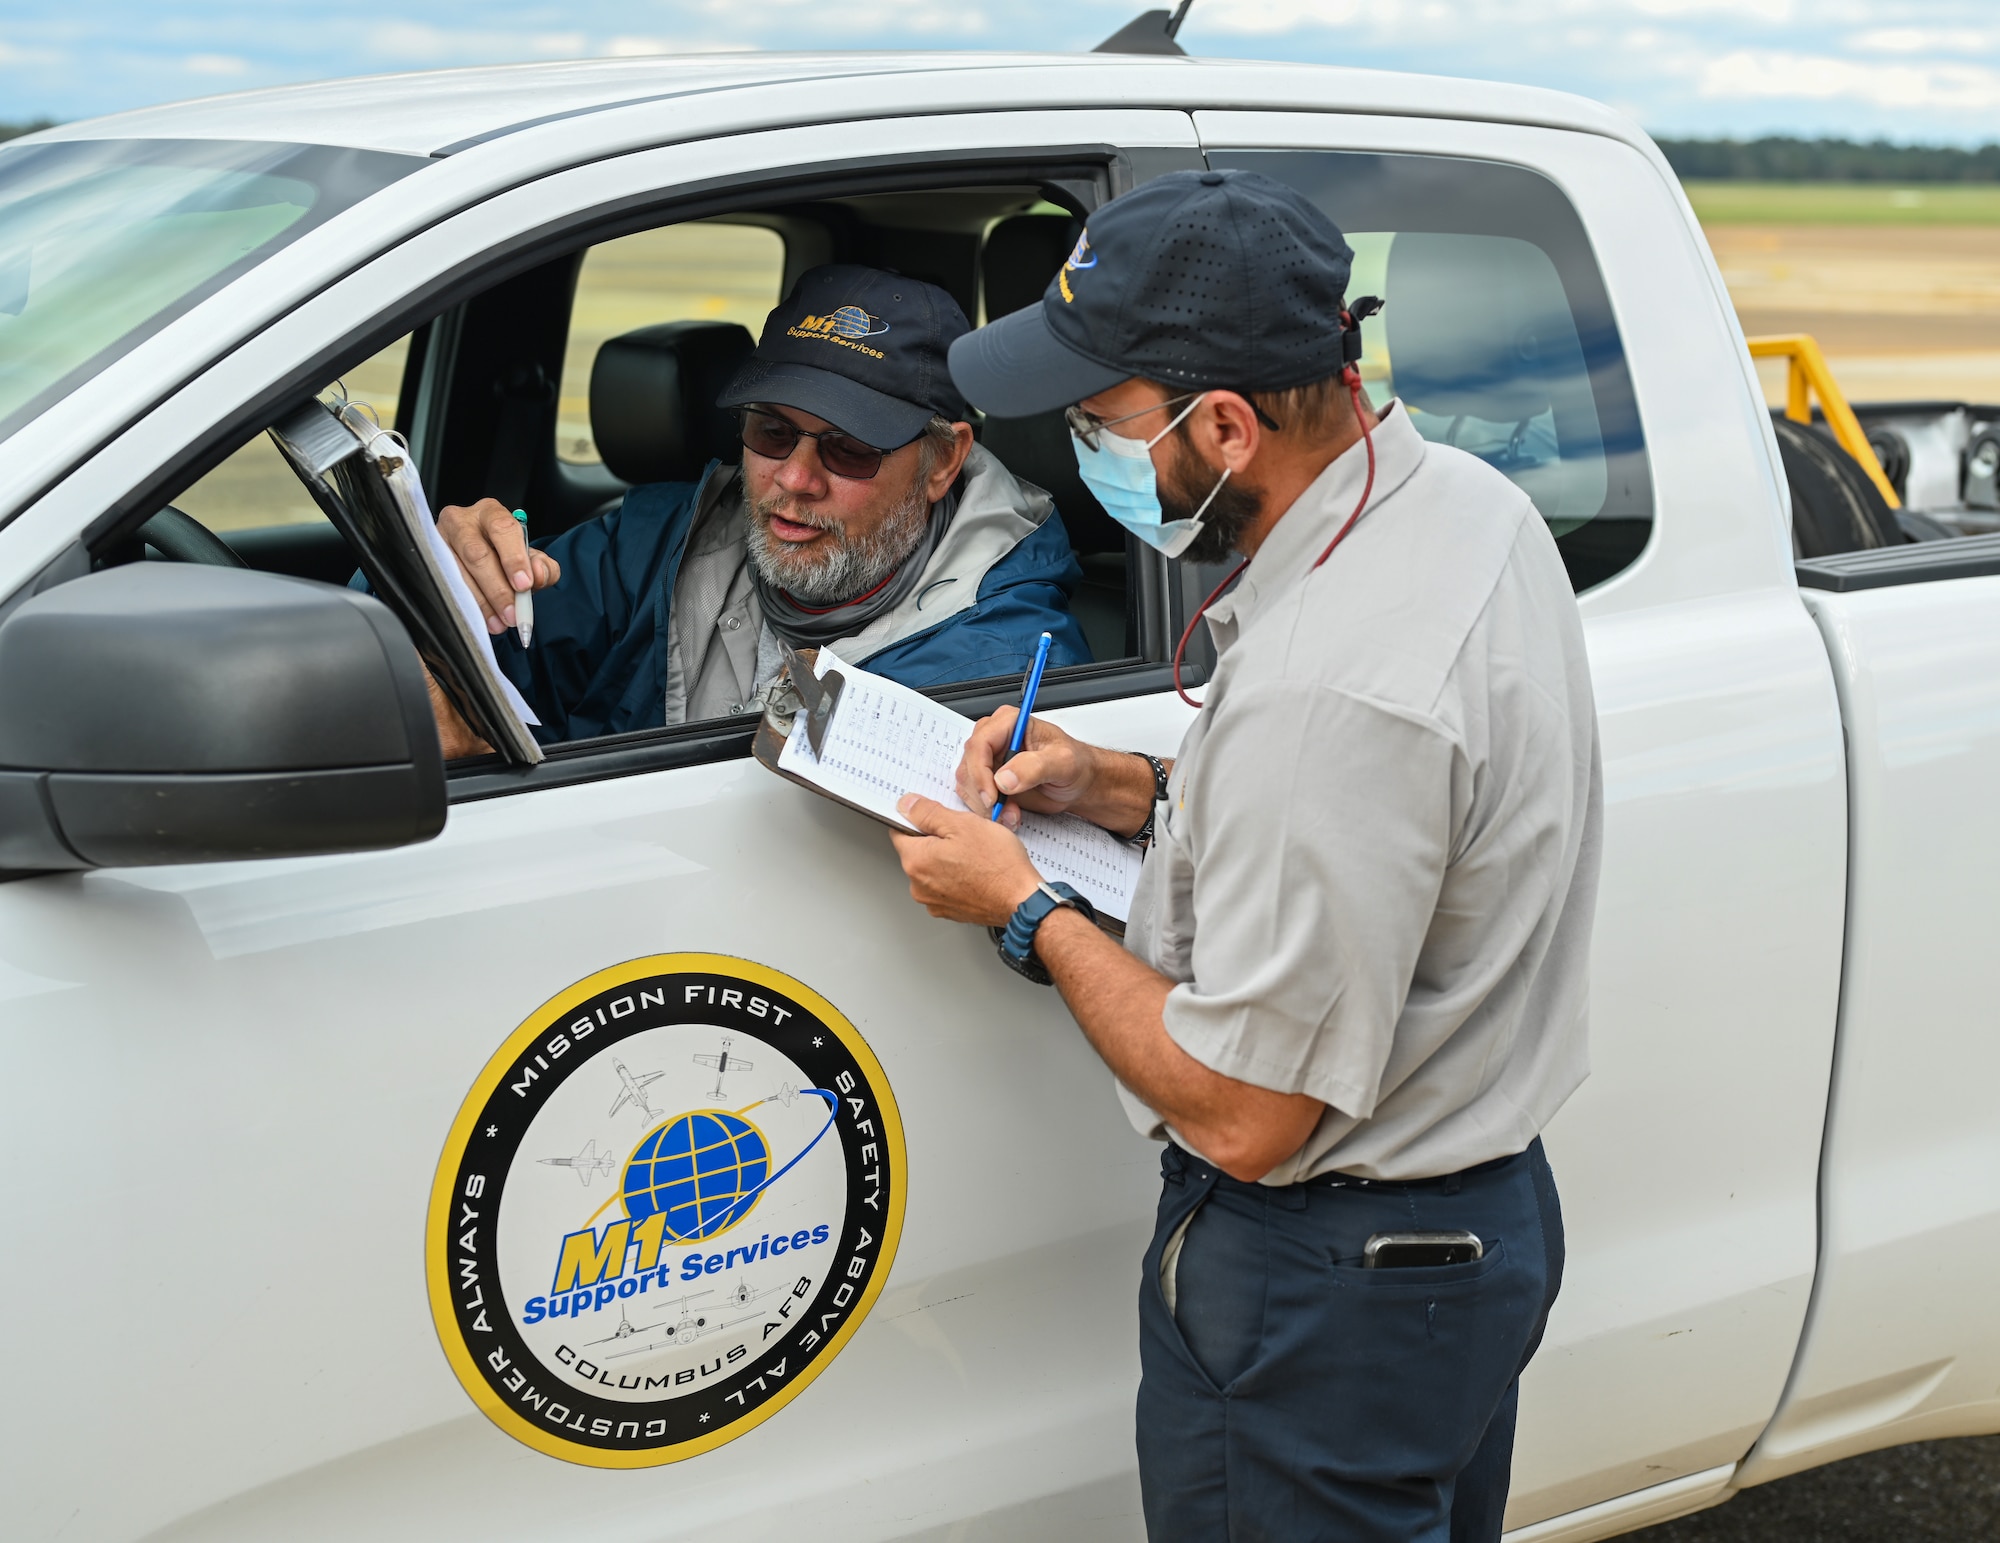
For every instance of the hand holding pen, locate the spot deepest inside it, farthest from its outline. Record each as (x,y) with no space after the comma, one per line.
(1029,687)
(490,542)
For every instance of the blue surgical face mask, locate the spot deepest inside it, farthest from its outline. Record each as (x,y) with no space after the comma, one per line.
(1120,472)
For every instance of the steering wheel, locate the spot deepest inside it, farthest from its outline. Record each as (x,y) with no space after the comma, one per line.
(181,538)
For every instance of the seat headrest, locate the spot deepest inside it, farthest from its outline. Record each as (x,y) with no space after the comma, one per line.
(1477,326)
(1038,450)
(1022,254)
(652,399)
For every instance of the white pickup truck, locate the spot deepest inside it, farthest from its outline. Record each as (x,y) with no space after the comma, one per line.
(444,1151)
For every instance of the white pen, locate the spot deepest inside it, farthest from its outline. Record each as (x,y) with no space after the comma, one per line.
(524,599)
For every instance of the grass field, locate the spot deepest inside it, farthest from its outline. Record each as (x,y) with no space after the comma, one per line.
(1836,203)
(1904,312)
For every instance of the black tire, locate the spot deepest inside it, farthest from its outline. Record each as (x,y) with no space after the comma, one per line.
(1893,451)
(1836,506)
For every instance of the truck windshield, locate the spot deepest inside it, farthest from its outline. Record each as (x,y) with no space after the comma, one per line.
(104,242)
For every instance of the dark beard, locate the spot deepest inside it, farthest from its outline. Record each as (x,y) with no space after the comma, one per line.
(1229,514)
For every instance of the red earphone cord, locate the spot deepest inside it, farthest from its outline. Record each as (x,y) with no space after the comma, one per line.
(1351,378)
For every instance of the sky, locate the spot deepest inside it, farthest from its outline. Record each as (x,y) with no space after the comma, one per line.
(1909,70)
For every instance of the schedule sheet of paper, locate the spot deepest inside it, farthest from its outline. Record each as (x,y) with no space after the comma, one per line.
(886,740)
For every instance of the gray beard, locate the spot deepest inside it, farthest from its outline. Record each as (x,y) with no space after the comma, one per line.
(842,567)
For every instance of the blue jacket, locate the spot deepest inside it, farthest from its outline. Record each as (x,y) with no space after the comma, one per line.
(598,664)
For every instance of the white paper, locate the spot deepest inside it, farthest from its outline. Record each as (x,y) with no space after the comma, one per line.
(886,740)
(408,491)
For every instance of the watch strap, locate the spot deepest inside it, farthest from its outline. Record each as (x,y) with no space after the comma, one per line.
(1016,940)
(1159,769)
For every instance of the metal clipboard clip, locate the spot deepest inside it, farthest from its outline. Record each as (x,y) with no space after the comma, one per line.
(818,695)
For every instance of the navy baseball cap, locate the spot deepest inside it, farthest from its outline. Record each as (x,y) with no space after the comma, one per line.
(862,348)
(1197,279)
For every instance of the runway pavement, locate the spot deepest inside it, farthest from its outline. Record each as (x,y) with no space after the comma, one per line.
(1934,1492)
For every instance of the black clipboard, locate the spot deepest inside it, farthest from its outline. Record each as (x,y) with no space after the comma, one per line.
(351,487)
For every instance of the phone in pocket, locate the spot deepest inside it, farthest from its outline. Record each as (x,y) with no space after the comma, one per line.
(1411,1250)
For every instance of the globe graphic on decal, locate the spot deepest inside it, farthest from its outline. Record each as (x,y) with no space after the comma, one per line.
(850,321)
(703,1169)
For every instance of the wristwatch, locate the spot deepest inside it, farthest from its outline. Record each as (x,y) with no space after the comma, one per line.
(1145,836)
(1016,940)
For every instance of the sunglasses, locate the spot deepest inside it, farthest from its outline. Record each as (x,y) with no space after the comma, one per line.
(774,438)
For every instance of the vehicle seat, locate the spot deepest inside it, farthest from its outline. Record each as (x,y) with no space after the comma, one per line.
(1022,254)
(652,399)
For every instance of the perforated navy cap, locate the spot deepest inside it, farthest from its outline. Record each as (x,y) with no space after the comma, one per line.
(863,348)
(1198,279)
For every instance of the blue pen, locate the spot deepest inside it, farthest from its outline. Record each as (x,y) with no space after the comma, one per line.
(1027,706)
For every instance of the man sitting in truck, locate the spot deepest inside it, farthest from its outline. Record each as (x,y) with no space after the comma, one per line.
(863,518)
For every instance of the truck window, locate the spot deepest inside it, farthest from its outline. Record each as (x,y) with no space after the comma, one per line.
(1497,335)
(253,502)
(700,271)
(254,489)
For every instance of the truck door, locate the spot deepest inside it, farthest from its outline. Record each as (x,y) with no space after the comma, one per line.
(1549,309)
(283,1098)
(1900,1345)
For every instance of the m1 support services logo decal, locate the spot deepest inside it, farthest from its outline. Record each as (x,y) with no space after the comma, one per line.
(667,1203)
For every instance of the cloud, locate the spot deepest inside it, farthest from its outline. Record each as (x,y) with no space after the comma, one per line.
(645,47)
(215,64)
(862,23)
(12,54)
(1922,40)
(1264,18)
(1769,75)
(1774,11)
(419,43)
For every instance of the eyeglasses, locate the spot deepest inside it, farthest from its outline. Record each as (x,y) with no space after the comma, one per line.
(775,438)
(1087,427)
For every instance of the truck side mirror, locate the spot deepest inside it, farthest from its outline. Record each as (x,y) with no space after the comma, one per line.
(177,713)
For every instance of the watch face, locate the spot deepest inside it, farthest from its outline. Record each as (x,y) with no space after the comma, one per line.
(1029,968)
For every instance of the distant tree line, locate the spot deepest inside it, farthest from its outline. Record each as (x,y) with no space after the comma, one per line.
(16,130)
(1781,159)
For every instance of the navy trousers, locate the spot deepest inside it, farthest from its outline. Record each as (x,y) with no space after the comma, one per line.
(1292,1396)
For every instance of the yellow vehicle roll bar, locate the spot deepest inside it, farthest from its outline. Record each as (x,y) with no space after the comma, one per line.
(1806,376)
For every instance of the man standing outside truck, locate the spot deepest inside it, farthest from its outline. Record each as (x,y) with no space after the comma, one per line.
(1353,986)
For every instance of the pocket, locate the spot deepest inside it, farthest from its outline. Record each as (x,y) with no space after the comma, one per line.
(1164,1353)
(1402,1368)
(1429,1275)
(1175,935)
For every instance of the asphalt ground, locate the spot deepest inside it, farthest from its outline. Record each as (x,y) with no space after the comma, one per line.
(1933,1492)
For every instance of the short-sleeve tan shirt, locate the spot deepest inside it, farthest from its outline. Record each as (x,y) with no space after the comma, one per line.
(1374,874)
